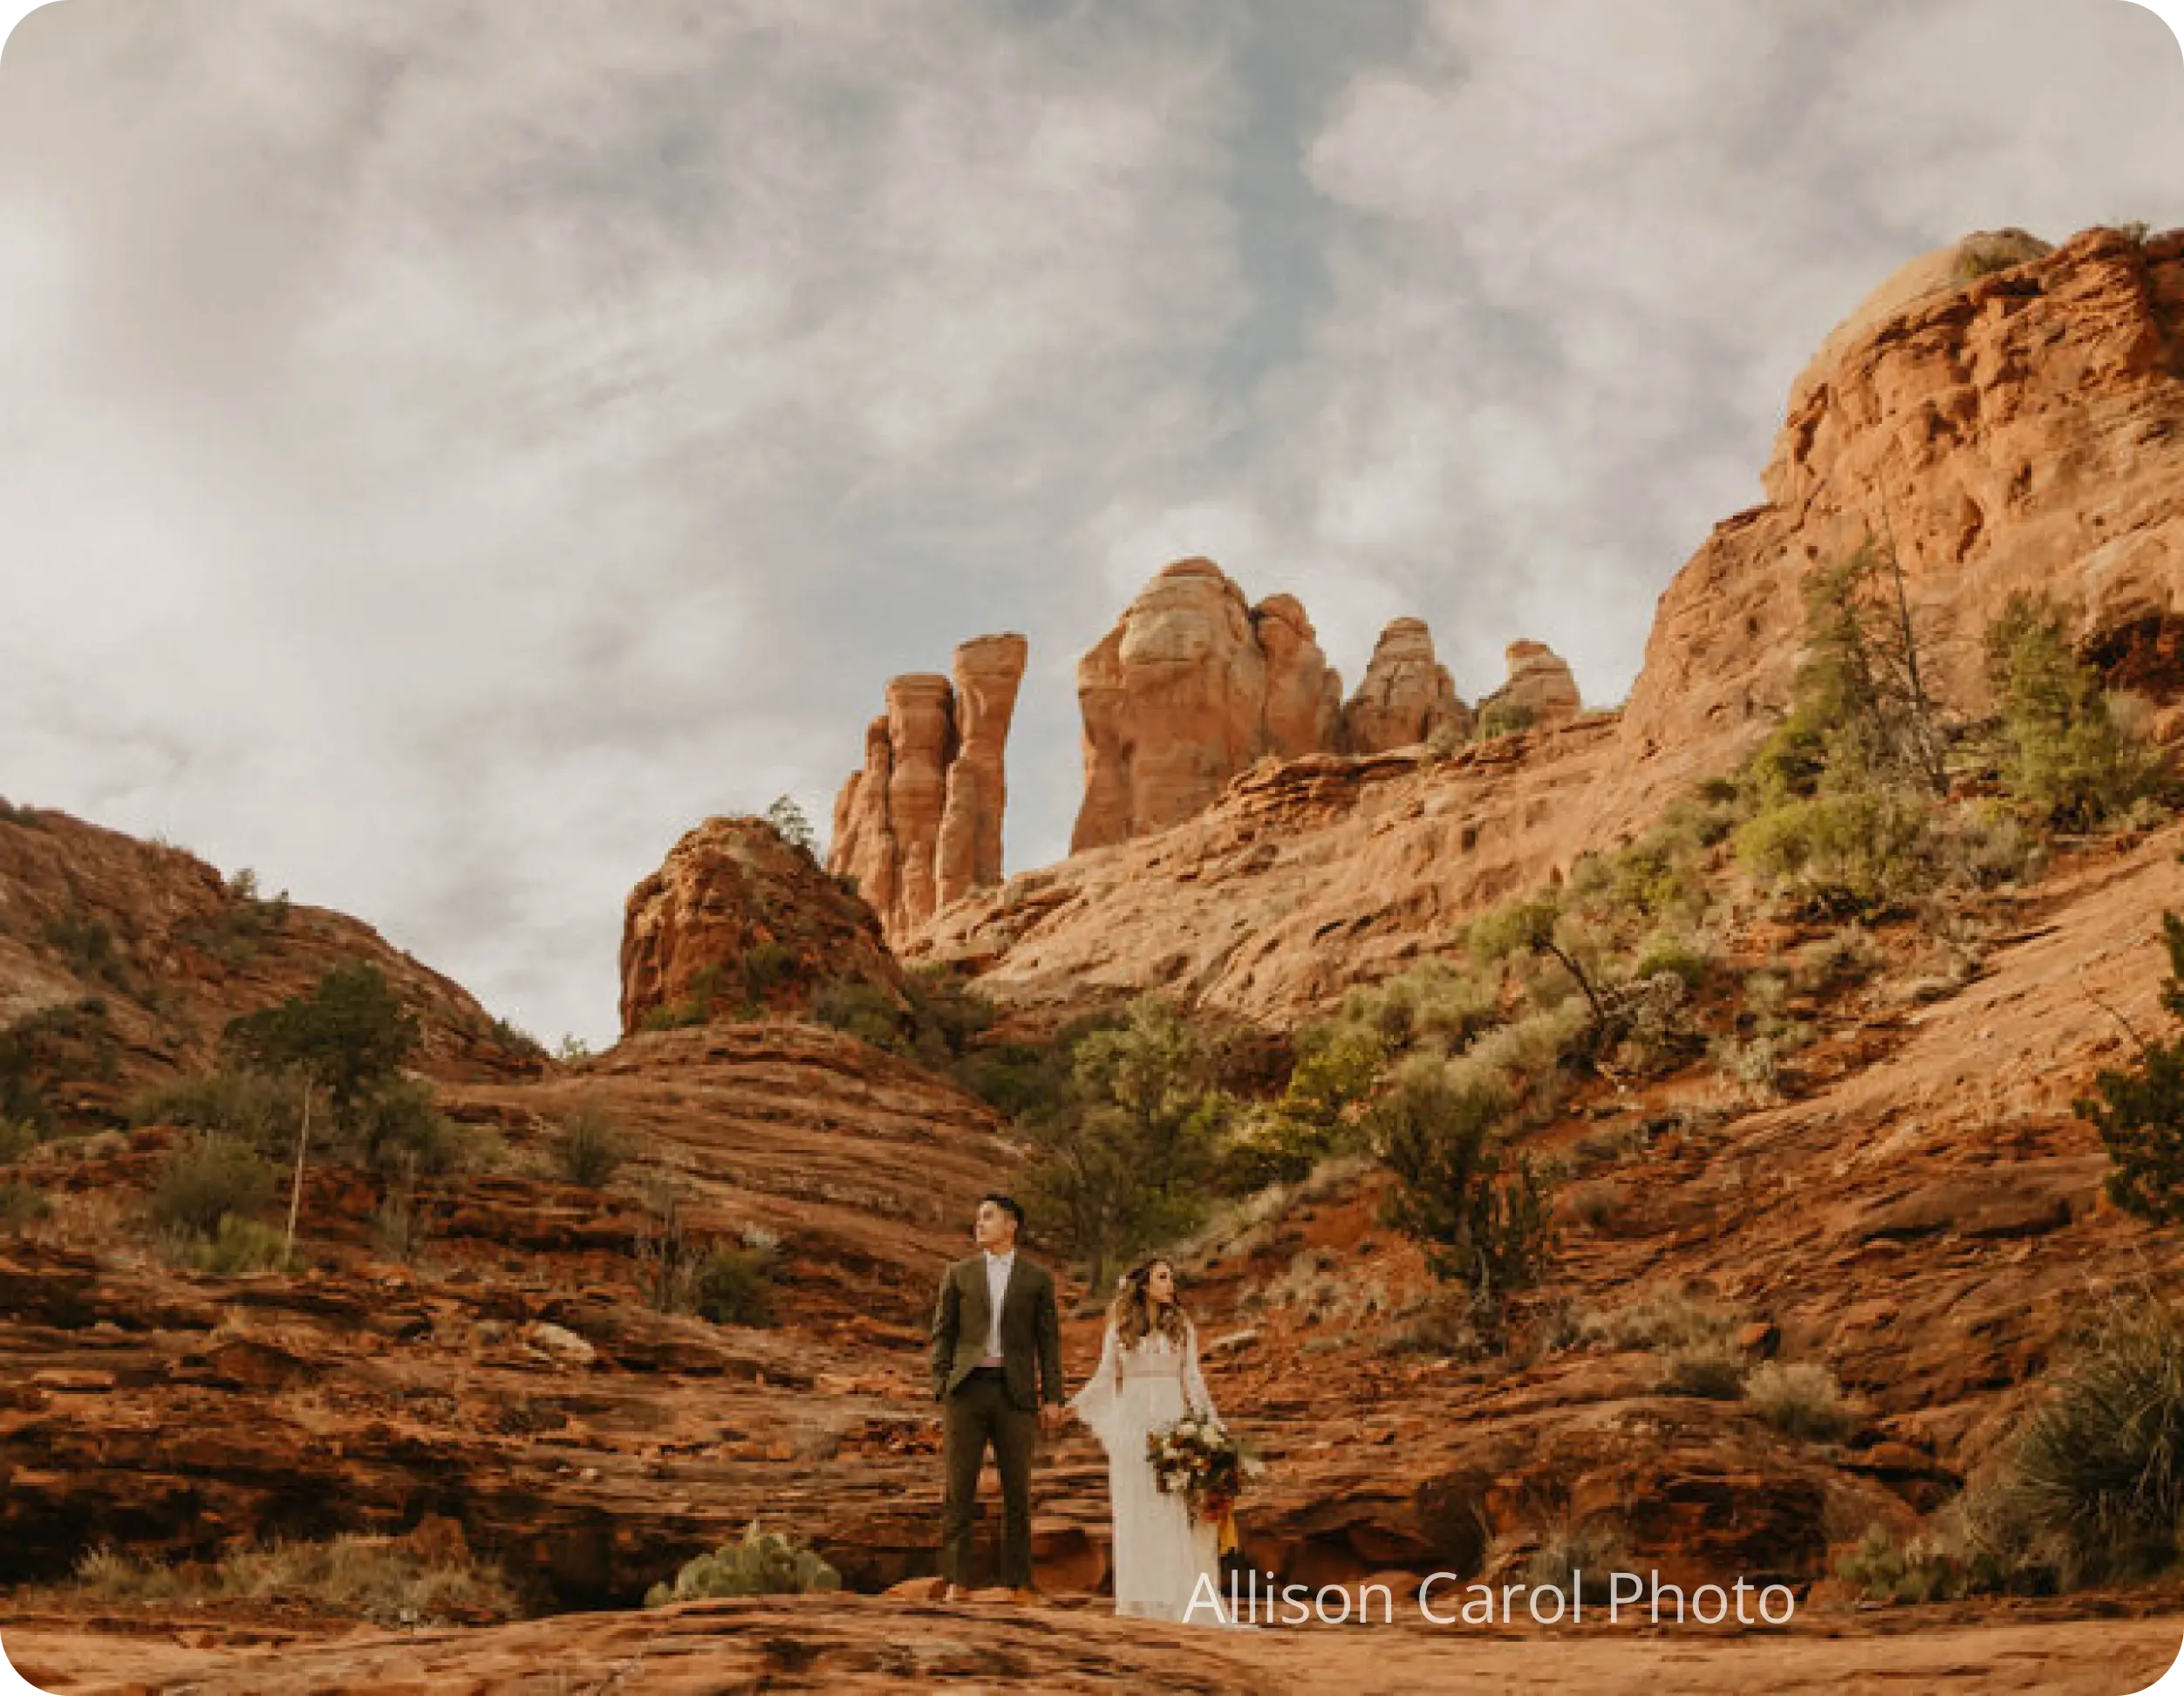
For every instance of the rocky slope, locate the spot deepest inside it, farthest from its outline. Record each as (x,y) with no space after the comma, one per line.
(122,961)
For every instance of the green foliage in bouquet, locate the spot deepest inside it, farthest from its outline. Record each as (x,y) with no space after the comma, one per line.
(763,1564)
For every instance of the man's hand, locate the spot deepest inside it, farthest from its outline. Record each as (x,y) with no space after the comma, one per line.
(1052,1416)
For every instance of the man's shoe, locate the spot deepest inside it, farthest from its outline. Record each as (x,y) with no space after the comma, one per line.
(1024,1596)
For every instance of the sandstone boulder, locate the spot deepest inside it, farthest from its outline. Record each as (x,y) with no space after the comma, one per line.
(987,672)
(739,917)
(1406,696)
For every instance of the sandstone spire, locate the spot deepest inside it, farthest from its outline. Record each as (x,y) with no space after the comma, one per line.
(920,824)
(1540,690)
(1406,695)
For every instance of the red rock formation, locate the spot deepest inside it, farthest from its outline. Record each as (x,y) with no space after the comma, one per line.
(987,671)
(737,917)
(1540,690)
(1406,696)
(920,825)
(1304,696)
(1174,699)
(2019,428)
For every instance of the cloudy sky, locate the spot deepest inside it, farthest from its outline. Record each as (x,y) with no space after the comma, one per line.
(448,449)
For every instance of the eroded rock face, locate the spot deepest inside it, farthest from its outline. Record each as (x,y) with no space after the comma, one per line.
(1174,699)
(1304,695)
(739,918)
(1406,696)
(1540,690)
(920,825)
(2019,428)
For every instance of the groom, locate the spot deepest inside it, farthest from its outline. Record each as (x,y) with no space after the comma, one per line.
(995,1320)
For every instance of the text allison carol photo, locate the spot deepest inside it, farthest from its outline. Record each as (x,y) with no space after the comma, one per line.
(1255,1598)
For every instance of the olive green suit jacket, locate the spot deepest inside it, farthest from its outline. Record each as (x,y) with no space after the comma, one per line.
(1031,1330)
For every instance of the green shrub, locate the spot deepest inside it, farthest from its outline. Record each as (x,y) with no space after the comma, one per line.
(352,1034)
(204,1181)
(1433,1002)
(863,1010)
(1800,1400)
(398,1129)
(1506,718)
(791,826)
(2139,1110)
(731,1287)
(1589,1554)
(263,1109)
(1479,1212)
(1661,1320)
(1881,1569)
(2099,1467)
(763,1564)
(1858,851)
(590,1148)
(1675,955)
(1712,1367)
(2064,754)
(239,1245)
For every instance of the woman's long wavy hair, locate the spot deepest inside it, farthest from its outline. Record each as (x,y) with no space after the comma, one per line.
(1132,1311)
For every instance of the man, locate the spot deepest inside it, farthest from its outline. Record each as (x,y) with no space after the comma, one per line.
(995,1325)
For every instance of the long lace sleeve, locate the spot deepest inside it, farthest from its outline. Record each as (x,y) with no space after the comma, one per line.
(1097,1403)
(1194,1390)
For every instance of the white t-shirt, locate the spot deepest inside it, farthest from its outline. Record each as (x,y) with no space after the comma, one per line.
(997,1271)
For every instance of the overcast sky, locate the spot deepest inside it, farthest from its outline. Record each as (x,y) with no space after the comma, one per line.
(448,449)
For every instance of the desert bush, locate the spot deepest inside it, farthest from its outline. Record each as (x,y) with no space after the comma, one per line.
(2066,756)
(263,1109)
(239,1245)
(2138,1110)
(1883,1570)
(1478,1211)
(1990,845)
(18,1137)
(1125,1153)
(762,1563)
(731,1287)
(1588,1553)
(1845,955)
(1868,850)
(1502,718)
(1712,1367)
(1662,1319)
(398,1129)
(1754,1063)
(204,1181)
(2099,1468)
(863,1010)
(1800,1400)
(590,1148)
(389,1580)
(1432,1003)
(1678,956)
(22,1206)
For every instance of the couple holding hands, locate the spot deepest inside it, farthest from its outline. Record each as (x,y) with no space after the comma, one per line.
(997,1373)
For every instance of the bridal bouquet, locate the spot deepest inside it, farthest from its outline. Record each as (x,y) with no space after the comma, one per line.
(1195,1456)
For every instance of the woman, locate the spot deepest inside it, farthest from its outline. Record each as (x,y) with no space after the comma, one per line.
(1148,1375)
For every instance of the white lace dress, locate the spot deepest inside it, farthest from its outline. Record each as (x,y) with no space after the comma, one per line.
(1160,1554)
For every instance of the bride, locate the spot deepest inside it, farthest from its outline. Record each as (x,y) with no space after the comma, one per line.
(1148,1374)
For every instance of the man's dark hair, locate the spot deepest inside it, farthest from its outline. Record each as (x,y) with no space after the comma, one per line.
(1008,1204)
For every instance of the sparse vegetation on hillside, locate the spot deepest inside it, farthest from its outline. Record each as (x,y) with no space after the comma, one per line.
(590,1148)
(2138,1110)
(2066,754)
